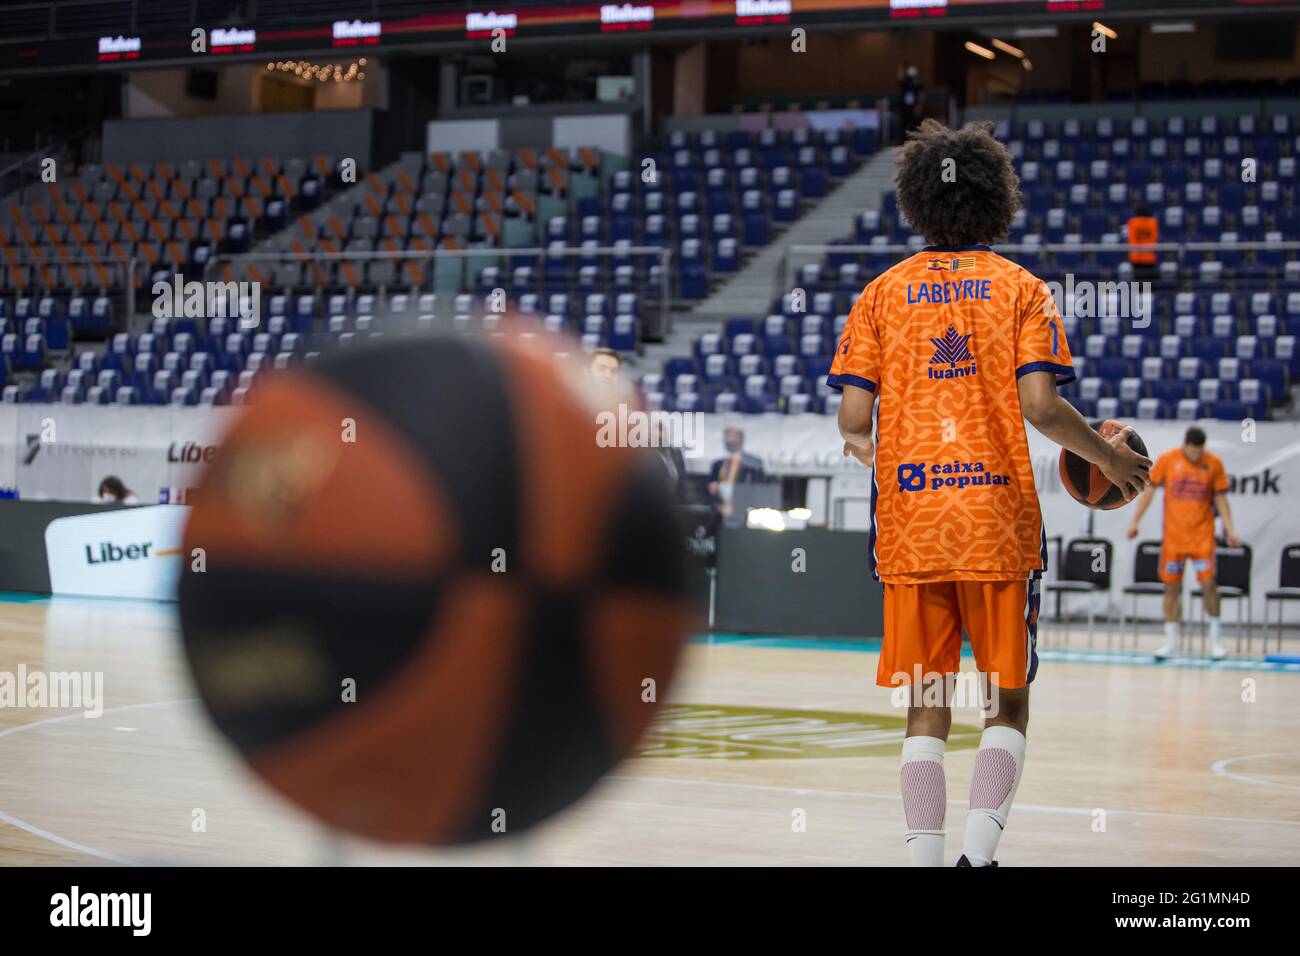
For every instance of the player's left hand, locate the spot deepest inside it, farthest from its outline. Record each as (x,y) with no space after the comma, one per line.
(1234,540)
(863,453)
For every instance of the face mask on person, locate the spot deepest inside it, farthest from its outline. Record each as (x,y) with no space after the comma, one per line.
(734,445)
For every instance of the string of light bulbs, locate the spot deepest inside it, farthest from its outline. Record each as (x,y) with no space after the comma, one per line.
(322,72)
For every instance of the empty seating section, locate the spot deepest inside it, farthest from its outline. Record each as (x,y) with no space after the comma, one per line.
(76,236)
(421,204)
(177,219)
(65,246)
(215,362)
(711,195)
(1220,339)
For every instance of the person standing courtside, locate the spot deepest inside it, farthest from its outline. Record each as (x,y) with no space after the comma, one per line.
(735,468)
(1196,486)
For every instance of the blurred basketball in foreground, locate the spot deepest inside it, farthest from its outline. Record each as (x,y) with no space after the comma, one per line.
(433,608)
(1084,480)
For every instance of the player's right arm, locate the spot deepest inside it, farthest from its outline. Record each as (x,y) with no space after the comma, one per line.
(1144,502)
(1157,478)
(1046,410)
(855,424)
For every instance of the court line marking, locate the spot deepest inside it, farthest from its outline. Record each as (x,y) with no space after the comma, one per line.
(1032,807)
(1029,807)
(64,841)
(1218,768)
(54,837)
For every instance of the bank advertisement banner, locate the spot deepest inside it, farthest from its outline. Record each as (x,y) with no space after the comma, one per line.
(128,553)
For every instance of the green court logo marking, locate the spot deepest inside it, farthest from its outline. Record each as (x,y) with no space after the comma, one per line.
(723,732)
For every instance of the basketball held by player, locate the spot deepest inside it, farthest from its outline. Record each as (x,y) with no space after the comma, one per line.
(950,351)
(1196,488)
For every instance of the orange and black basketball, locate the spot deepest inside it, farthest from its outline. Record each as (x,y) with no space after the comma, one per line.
(433,608)
(1084,480)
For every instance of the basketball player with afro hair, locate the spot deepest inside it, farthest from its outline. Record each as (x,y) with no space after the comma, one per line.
(950,352)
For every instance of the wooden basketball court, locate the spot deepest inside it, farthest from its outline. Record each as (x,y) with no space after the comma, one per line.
(774,752)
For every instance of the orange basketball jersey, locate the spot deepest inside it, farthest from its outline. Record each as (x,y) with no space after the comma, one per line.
(942,339)
(1189,498)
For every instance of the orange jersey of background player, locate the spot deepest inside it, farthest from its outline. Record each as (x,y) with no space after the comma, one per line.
(1143,230)
(1190,488)
(942,338)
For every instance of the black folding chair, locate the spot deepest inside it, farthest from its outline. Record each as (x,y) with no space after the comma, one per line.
(1146,583)
(1232,575)
(1085,570)
(1288,589)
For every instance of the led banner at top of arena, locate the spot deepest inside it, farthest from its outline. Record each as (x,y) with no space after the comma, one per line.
(455,26)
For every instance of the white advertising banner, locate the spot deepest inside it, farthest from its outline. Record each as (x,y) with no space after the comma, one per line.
(63,452)
(1263,466)
(57,452)
(133,553)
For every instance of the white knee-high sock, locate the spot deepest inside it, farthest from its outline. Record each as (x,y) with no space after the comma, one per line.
(925,798)
(998,765)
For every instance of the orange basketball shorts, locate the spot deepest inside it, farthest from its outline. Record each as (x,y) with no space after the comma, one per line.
(1177,555)
(924,624)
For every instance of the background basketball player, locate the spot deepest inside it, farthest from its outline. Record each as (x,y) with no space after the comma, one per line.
(1196,486)
(960,346)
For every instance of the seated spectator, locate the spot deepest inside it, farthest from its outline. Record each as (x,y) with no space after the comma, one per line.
(112,491)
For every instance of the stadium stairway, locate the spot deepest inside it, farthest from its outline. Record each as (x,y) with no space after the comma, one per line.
(750,290)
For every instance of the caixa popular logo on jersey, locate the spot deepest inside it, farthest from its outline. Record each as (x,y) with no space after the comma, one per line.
(952,356)
(962,475)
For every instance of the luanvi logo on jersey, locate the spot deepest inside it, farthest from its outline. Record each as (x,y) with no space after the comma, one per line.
(952,356)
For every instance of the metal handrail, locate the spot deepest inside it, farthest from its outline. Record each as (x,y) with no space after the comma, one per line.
(447,253)
(1206,246)
(808,249)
